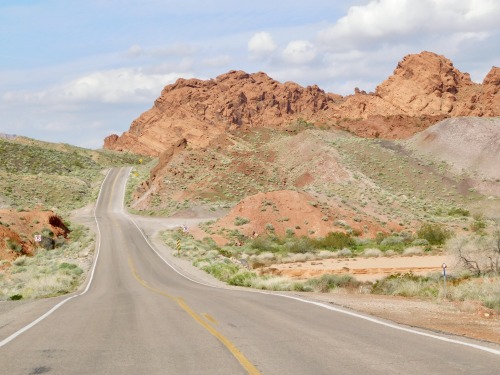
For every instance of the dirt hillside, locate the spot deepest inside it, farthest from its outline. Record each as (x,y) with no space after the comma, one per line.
(470,145)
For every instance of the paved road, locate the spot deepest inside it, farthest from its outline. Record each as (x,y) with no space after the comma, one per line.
(138,316)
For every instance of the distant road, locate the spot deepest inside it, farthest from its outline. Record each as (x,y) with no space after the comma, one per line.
(139,316)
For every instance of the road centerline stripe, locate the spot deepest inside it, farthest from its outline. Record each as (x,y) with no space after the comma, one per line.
(240,357)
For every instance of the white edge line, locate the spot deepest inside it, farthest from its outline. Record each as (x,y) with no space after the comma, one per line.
(319,304)
(48,313)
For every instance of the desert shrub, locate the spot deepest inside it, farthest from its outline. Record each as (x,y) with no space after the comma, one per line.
(221,271)
(414,250)
(344,253)
(47,232)
(335,240)
(392,241)
(372,253)
(420,242)
(326,254)
(408,285)
(14,246)
(380,236)
(478,224)
(300,245)
(484,289)
(269,227)
(21,261)
(265,243)
(70,268)
(242,278)
(241,221)
(325,283)
(458,212)
(435,234)
(479,254)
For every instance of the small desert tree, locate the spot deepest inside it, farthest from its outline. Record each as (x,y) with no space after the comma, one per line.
(479,254)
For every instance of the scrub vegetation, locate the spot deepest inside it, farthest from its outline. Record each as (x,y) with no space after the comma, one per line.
(39,177)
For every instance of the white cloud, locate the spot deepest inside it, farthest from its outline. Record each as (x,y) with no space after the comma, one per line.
(299,52)
(390,20)
(111,86)
(261,44)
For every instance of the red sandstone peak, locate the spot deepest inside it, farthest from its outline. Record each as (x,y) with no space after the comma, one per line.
(424,89)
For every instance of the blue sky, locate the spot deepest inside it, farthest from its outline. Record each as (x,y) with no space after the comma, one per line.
(77,71)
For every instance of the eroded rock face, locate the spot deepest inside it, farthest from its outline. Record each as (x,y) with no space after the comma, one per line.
(424,89)
(424,84)
(198,110)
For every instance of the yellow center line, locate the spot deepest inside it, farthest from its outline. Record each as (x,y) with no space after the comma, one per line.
(245,363)
(210,318)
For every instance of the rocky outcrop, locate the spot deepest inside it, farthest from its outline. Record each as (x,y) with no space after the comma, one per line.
(17,230)
(198,110)
(424,84)
(424,89)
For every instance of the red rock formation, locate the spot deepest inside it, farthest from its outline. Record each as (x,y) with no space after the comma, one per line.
(424,89)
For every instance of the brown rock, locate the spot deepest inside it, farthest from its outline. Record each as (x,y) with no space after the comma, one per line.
(424,89)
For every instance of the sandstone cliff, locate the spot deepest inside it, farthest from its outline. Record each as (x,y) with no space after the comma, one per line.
(423,89)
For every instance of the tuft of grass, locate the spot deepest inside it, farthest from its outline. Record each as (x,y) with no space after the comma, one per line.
(326,283)
(241,221)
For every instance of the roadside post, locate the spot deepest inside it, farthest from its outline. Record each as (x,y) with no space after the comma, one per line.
(179,247)
(444,278)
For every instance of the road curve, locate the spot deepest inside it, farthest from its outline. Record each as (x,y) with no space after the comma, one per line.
(138,316)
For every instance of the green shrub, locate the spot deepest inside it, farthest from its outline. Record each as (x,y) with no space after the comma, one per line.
(14,246)
(458,212)
(241,221)
(327,282)
(478,223)
(336,240)
(392,241)
(269,227)
(435,234)
(221,271)
(300,245)
(242,278)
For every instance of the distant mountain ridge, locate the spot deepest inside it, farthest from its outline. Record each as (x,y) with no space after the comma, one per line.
(424,89)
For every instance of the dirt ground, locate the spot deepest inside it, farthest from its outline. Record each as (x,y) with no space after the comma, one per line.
(363,269)
(469,319)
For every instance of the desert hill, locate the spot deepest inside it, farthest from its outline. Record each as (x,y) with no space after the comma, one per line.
(470,146)
(423,89)
(311,182)
(40,183)
(272,152)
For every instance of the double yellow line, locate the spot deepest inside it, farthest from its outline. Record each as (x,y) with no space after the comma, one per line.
(245,363)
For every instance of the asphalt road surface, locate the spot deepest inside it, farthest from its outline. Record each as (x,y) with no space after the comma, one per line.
(139,316)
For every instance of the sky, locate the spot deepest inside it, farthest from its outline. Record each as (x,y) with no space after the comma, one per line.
(77,71)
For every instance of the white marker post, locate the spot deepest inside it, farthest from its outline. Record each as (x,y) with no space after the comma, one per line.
(444,278)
